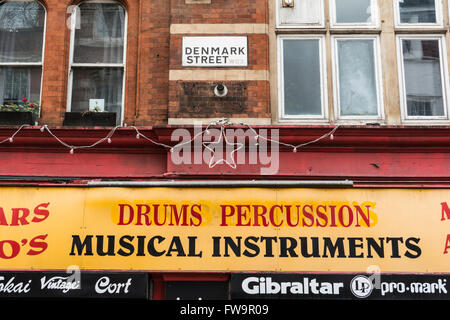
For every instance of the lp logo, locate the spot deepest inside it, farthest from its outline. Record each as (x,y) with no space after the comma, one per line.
(361,286)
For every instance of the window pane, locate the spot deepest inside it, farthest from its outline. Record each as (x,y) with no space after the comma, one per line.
(19,83)
(100,84)
(357,78)
(304,12)
(302,77)
(422,76)
(100,38)
(21,31)
(353,11)
(417,11)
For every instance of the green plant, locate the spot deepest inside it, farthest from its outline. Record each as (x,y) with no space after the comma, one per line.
(26,106)
(96,109)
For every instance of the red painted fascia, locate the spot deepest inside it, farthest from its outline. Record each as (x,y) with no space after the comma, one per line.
(368,155)
(35,138)
(346,138)
(350,137)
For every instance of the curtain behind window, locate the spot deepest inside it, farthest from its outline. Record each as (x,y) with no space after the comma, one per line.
(100,40)
(21,43)
(101,36)
(21,31)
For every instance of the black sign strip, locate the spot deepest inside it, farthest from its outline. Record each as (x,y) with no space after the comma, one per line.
(74,285)
(341,286)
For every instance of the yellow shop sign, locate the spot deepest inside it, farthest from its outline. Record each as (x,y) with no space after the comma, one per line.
(225,229)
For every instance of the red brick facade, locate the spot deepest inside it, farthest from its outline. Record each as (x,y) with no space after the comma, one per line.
(219,11)
(152,51)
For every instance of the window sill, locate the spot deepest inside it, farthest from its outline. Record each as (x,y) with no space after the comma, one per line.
(16,118)
(419,30)
(300,121)
(90,119)
(291,30)
(334,31)
(426,122)
(206,121)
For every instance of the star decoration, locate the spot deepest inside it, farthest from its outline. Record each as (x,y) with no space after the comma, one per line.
(213,162)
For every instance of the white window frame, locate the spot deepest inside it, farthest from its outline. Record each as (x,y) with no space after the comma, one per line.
(444,78)
(73,64)
(439,18)
(32,64)
(361,25)
(378,76)
(279,25)
(323,118)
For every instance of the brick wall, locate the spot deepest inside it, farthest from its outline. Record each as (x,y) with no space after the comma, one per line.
(191,93)
(196,99)
(55,69)
(219,11)
(148,103)
(151,96)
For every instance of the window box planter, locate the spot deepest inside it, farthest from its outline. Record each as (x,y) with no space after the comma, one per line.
(90,119)
(10,118)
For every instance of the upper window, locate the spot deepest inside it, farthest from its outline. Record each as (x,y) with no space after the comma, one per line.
(300,14)
(22,26)
(418,13)
(302,77)
(423,77)
(354,13)
(98,58)
(357,77)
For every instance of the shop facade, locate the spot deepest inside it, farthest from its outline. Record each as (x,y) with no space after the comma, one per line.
(249,153)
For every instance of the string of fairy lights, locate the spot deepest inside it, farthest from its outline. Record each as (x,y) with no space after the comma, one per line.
(223,123)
